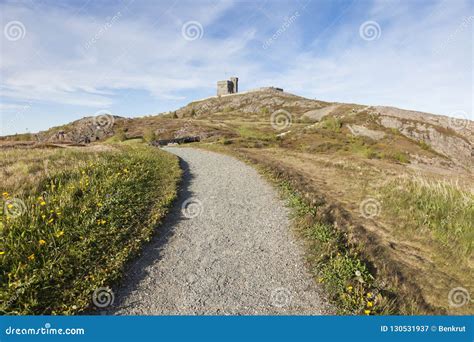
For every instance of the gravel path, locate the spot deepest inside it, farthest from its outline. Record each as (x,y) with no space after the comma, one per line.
(229,251)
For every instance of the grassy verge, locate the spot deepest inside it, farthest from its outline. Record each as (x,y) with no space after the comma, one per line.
(338,265)
(441,209)
(70,230)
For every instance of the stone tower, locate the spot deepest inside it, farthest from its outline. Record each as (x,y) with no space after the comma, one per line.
(235,82)
(228,87)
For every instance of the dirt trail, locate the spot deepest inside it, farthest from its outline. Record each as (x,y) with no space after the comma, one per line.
(229,251)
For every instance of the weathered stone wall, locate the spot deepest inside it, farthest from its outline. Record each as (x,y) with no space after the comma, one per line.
(235,84)
(224,87)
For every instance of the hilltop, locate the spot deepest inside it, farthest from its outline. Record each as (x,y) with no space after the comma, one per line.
(386,132)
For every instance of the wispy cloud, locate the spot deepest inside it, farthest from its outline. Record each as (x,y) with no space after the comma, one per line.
(97,56)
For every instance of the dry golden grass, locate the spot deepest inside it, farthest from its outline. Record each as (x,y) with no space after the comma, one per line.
(420,269)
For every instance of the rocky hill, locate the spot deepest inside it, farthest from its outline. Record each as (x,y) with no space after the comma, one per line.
(450,138)
(396,184)
(443,141)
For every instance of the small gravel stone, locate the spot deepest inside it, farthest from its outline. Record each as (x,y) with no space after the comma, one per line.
(225,249)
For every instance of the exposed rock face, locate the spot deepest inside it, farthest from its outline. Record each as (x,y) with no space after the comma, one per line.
(85,130)
(364,131)
(449,137)
(463,127)
(443,141)
(266,99)
(318,114)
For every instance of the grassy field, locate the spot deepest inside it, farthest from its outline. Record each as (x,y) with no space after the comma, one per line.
(404,257)
(441,209)
(337,266)
(385,203)
(72,218)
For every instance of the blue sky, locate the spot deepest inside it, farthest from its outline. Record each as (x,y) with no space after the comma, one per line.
(64,60)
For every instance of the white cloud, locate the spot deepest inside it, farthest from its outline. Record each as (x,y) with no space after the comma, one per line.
(422,59)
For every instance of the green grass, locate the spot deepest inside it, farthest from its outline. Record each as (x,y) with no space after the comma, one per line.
(255,134)
(73,231)
(441,209)
(332,123)
(338,266)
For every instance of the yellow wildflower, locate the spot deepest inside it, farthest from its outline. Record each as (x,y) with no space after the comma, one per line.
(5,194)
(103,221)
(31,257)
(367,312)
(349,288)
(2,252)
(59,234)
(370,295)
(42,242)
(43,203)
(9,206)
(370,304)
(51,220)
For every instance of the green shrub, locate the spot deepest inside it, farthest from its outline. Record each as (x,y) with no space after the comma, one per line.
(332,123)
(120,135)
(149,135)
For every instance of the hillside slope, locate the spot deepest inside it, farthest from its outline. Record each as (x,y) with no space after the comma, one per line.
(396,184)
